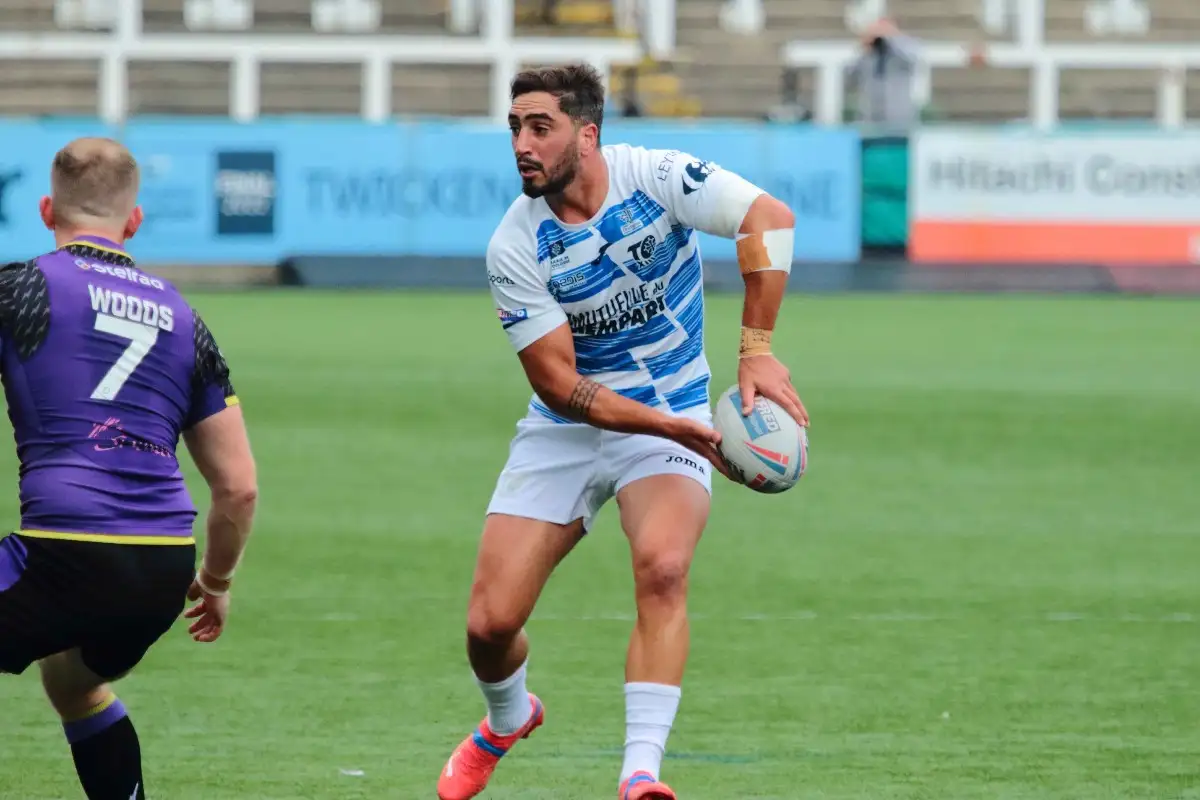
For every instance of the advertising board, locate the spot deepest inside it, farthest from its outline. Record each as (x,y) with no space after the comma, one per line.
(217,192)
(999,197)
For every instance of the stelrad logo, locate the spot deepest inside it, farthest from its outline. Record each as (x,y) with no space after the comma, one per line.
(124,273)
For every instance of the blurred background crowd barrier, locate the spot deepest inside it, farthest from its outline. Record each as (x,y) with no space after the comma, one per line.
(941,144)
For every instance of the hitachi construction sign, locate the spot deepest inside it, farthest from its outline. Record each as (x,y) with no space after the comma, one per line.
(998,197)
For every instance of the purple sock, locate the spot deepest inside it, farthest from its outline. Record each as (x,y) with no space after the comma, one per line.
(99,720)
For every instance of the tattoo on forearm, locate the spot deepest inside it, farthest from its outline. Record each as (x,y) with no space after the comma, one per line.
(580,403)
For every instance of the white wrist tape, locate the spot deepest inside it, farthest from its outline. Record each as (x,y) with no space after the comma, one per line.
(226,576)
(768,250)
(208,590)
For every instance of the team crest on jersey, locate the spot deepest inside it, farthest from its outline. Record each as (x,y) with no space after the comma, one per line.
(631,223)
(643,251)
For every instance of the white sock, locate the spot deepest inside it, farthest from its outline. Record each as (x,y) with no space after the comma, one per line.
(507,702)
(649,714)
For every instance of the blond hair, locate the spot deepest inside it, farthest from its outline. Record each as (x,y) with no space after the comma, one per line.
(94,182)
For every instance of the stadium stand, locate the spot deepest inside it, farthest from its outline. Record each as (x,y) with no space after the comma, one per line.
(711,72)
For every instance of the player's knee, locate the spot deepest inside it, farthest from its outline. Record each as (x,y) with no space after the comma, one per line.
(73,690)
(493,623)
(662,578)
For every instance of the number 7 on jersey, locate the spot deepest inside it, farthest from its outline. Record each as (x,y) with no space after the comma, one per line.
(141,341)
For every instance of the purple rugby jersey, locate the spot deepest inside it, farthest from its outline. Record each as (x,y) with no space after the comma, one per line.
(103,367)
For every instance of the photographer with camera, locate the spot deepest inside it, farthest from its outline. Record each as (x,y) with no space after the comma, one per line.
(883,76)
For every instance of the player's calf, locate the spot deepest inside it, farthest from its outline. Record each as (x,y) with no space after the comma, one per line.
(104,743)
(663,517)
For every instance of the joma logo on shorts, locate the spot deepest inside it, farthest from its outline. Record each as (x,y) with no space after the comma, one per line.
(687,462)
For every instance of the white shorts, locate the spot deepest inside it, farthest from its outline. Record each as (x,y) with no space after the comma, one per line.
(560,473)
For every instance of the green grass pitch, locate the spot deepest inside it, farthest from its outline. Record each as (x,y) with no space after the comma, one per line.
(985,587)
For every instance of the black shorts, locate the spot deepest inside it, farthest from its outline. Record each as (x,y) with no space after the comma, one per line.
(112,601)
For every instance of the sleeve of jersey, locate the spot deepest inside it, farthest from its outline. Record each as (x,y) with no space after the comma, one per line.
(700,194)
(24,307)
(526,309)
(212,390)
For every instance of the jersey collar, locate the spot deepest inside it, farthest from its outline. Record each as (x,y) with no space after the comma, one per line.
(99,243)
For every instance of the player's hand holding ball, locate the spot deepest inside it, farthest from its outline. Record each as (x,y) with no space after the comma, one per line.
(761,421)
(212,610)
(761,373)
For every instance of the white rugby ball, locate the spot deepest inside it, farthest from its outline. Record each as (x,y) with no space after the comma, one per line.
(767,450)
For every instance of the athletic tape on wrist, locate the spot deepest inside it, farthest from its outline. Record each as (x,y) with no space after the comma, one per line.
(755,342)
(766,250)
(208,590)
(227,576)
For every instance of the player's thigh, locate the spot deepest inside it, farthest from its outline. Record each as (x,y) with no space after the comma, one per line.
(544,501)
(664,495)
(550,475)
(516,558)
(146,593)
(36,619)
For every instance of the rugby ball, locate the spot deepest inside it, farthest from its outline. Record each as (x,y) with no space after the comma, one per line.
(767,450)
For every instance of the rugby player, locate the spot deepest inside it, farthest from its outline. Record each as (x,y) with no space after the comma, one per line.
(104,367)
(597,279)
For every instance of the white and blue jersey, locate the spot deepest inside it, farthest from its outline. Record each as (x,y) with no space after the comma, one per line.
(629,281)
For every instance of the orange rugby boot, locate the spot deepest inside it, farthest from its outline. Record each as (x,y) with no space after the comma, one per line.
(472,762)
(644,786)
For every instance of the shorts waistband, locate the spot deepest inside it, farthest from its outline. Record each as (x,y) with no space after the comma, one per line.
(110,538)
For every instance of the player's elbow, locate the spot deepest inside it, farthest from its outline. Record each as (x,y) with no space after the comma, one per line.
(236,500)
(235,488)
(555,389)
(768,214)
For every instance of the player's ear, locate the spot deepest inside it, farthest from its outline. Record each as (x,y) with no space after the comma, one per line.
(46,210)
(589,139)
(136,217)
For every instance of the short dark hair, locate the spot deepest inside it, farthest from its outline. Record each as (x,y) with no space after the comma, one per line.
(578,88)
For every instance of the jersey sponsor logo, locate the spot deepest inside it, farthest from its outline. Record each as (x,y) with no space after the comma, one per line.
(629,309)
(500,280)
(132,308)
(130,274)
(687,462)
(116,439)
(567,281)
(695,174)
(512,315)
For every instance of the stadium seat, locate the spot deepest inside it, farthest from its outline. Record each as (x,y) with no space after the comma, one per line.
(573,17)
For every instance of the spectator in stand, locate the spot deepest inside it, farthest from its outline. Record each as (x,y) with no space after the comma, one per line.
(883,76)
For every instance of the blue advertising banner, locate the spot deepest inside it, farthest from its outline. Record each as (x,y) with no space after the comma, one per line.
(220,192)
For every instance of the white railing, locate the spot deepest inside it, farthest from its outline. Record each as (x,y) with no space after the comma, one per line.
(496,46)
(1045,60)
